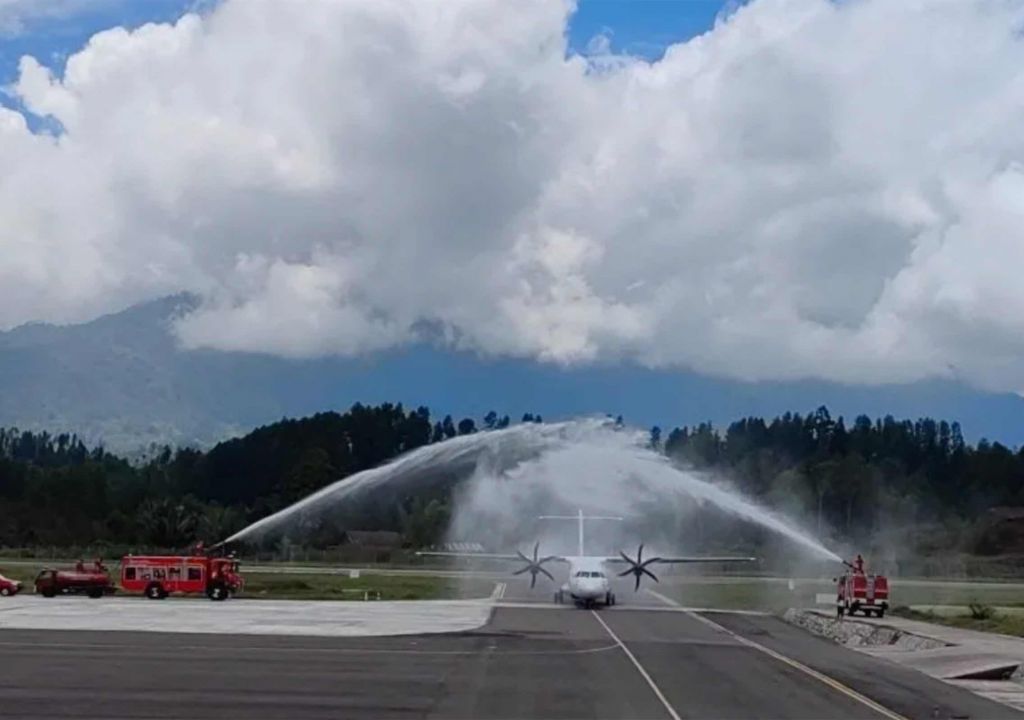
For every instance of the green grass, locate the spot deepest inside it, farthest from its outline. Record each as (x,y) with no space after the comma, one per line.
(999,622)
(342,587)
(749,593)
(775,595)
(292,586)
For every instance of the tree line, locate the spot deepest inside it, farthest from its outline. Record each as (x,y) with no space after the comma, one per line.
(852,481)
(849,480)
(56,491)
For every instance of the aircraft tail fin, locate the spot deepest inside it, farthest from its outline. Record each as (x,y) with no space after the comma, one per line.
(579,517)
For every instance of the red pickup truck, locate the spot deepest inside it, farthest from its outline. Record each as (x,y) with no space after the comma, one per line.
(9,587)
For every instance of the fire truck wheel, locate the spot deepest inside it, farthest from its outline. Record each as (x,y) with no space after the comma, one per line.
(95,594)
(155,591)
(217,592)
(49,593)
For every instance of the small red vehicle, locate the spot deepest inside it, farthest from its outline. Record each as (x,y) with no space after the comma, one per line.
(157,576)
(9,587)
(92,580)
(858,591)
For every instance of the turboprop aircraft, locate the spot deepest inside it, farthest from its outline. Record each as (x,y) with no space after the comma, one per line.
(588,583)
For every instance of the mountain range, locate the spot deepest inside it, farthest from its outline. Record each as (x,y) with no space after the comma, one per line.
(123,380)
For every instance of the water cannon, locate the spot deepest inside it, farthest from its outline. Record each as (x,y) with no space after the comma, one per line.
(857,565)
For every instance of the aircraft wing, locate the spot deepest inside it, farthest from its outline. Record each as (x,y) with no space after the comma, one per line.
(483,556)
(682,560)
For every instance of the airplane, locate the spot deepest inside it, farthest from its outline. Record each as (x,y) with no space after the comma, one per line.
(588,584)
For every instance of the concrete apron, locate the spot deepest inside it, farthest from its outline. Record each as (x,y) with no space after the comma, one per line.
(245,617)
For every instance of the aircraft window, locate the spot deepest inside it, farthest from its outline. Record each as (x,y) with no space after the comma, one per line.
(581,574)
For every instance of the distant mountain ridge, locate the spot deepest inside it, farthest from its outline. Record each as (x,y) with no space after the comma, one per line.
(122,380)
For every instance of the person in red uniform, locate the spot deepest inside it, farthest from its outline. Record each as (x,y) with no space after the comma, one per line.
(859,564)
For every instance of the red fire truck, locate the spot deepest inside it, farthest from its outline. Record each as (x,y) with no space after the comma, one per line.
(858,591)
(157,576)
(92,580)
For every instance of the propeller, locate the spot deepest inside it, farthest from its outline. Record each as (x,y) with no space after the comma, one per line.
(535,565)
(638,567)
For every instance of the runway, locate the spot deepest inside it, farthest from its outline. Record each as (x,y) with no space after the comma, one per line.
(529,661)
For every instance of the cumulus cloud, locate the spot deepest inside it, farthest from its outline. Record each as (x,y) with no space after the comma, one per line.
(810,189)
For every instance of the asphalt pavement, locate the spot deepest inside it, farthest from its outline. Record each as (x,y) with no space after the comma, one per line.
(531,660)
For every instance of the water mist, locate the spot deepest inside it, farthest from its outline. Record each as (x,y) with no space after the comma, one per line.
(506,478)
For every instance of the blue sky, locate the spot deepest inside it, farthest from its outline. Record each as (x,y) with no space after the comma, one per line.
(639,27)
(643,27)
(50,38)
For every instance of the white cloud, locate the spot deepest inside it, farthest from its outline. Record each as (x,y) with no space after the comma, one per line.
(812,188)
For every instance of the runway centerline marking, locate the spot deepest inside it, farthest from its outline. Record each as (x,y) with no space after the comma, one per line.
(640,668)
(796,665)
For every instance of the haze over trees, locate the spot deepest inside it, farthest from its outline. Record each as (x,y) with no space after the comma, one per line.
(848,478)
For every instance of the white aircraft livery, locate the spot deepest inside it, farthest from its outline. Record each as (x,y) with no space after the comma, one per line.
(588,583)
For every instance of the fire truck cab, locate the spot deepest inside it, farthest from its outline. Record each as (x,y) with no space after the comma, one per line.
(858,591)
(157,576)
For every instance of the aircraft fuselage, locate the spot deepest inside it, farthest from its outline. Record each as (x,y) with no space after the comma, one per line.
(588,583)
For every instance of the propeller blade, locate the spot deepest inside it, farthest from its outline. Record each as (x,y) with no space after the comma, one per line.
(624,573)
(533,580)
(522,557)
(637,586)
(640,554)
(550,576)
(648,573)
(536,547)
(520,572)
(645,563)
(626,558)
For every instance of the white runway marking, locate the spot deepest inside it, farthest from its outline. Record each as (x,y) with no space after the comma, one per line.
(664,598)
(640,668)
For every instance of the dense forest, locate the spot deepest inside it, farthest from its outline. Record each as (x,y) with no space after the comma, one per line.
(55,491)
